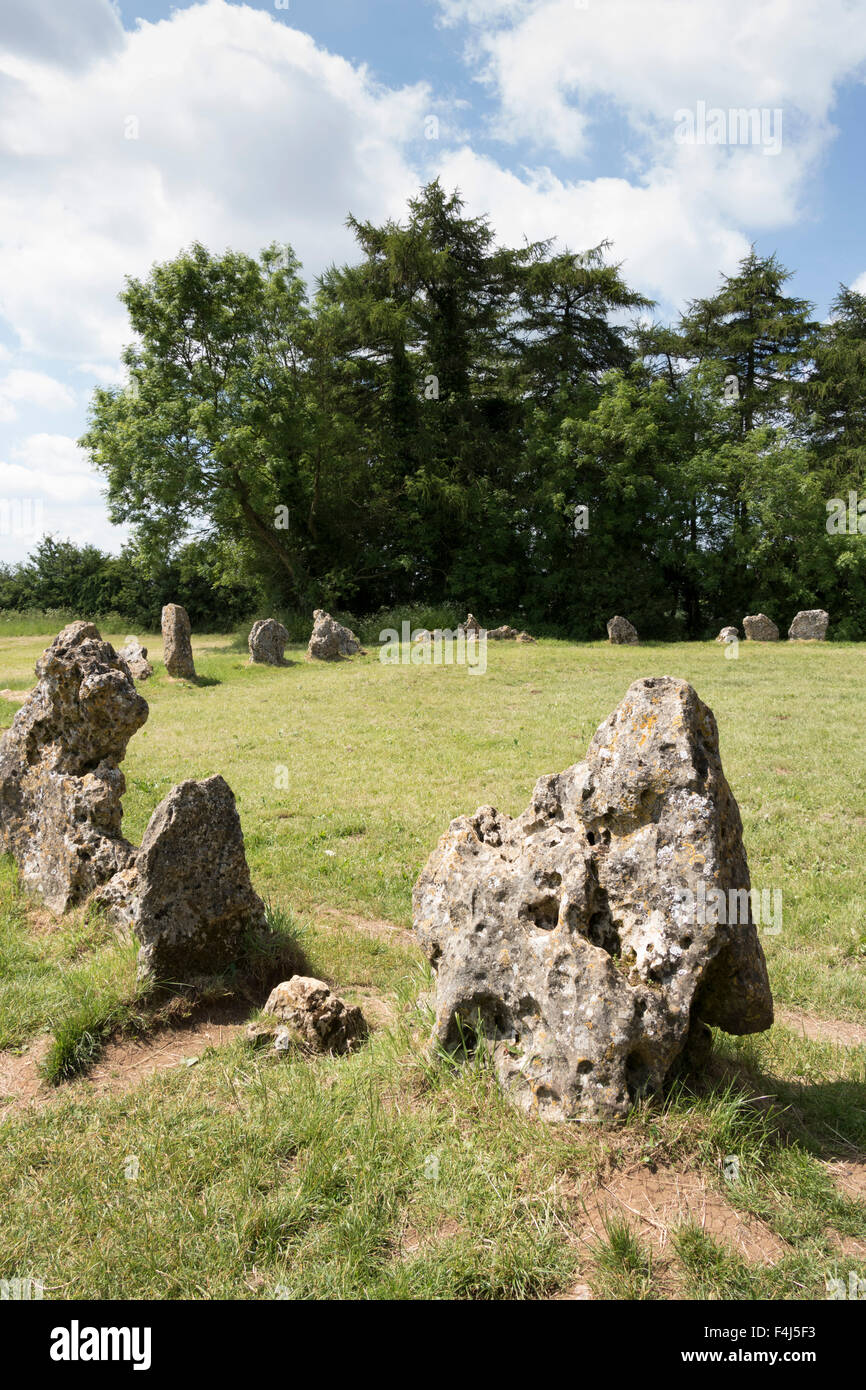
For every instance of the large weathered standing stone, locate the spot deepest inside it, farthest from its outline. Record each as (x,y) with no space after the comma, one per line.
(329,640)
(759,628)
(810,625)
(565,941)
(313,1017)
(135,656)
(188,896)
(60,778)
(621,631)
(177,642)
(267,643)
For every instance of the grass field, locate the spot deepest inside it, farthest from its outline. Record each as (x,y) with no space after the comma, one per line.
(393,1173)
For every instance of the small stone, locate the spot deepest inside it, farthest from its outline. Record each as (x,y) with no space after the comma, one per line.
(810,626)
(177,642)
(728,634)
(267,643)
(759,628)
(621,632)
(318,1017)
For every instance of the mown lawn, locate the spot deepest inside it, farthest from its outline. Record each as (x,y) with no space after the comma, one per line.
(393,1174)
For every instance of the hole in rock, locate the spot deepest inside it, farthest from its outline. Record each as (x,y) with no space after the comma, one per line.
(638,1077)
(543,914)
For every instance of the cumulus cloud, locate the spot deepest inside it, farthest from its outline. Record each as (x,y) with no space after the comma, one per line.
(20,387)
(221,123)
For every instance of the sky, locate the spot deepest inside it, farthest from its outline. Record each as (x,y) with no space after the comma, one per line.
(130,129)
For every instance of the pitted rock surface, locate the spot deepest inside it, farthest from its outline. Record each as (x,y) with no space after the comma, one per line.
(188,896)
(621,632)
(315,1017)
(759,628)
(267,643)
(329,640)
(810,626)
(561,940)
(60,778)
(177,642)
(135,656)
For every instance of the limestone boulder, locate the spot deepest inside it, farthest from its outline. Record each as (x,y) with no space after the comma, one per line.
(177,642)
(810,625)
(135,656)
(570,942)
(759,628)
(503,634)
(728,634)
(267,643)
(188,897)
(60,778)
(330,640)
(525,637)
(306,1013)
(621,632)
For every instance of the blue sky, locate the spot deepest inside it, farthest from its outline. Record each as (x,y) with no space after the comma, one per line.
(128,130)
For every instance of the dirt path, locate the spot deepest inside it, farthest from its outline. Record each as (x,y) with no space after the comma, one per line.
(123,1064)
(836,1030)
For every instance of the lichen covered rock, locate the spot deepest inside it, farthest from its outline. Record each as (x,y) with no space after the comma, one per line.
(267,643)
(566,941)
(759,628)
(621,632)
(188,896)
(177,642)
(810,626)
(60,778)
(329,640)
(135,656)
(306,1013)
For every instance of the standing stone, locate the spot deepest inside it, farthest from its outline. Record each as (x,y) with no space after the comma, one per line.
(267,643)
(135,656)
(728,634)
(188,896)
(472,624)
(620,631)
(329,640)
(176,642)
(60,778)
(760,628)
(566,942)
(810,626)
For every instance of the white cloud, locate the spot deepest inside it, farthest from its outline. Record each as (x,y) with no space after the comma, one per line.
(859,284)
(48,487)
(246,132)
(20,387)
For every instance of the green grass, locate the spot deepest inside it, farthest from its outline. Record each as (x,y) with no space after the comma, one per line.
(392,1173)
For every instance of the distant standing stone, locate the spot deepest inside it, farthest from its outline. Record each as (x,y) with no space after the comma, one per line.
(267,642)
(728,634)
(329,640)
(176,642)
(135,656)
(620,631)
(810,625)
(760,628)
